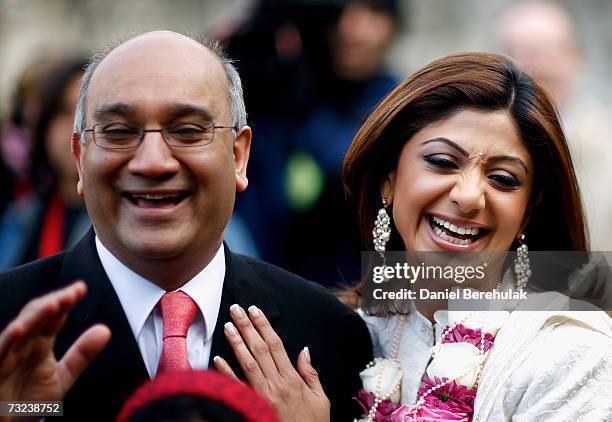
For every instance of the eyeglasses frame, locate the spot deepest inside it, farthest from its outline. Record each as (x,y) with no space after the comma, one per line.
(144,131)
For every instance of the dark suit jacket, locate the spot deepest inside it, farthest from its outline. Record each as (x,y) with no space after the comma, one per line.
(302,313)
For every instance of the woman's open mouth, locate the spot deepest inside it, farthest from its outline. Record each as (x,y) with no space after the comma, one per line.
(456,234)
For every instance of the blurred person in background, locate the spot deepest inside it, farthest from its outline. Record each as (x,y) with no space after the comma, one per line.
(6,188)
(196,396)
(51,216)
(313,72)
(542,37)
(322,220)
(281,52)
(16,132)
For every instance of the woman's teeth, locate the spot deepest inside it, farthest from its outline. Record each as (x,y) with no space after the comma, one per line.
(445,230)
(451,239)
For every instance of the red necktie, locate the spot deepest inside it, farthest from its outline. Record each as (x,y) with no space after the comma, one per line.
(178,311)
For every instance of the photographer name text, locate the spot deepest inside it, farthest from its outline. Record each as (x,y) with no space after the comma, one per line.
(448,294)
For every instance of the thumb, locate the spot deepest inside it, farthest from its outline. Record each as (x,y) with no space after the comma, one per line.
(308,373)
(82,353)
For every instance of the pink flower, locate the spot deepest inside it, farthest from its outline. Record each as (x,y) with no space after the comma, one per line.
(461,334)
(451,397)
(452,402)
(401,414)
(433,414)
(385,408)
(425,414)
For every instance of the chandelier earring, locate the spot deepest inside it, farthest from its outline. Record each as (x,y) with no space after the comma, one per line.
(382,229)
(522,270)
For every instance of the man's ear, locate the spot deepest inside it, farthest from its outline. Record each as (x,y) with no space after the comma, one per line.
(242,149)
(76,149)
(388,187)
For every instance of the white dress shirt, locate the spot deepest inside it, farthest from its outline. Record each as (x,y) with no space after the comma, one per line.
(139,297)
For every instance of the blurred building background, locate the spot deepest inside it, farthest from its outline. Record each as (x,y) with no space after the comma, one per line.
(312,70)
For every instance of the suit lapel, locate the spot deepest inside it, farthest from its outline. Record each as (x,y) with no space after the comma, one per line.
(244,287)
(119,368)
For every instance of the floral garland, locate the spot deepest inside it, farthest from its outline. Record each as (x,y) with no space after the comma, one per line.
(449,387)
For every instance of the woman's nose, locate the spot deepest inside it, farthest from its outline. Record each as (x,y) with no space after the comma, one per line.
(468,193)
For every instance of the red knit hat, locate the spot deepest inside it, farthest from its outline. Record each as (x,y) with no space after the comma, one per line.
(214,386)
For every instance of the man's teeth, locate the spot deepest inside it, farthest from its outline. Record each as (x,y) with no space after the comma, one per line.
(154,197)
(473,231)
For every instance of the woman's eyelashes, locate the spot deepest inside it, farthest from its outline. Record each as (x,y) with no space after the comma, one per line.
(444,162)
(441,161)
(505,181)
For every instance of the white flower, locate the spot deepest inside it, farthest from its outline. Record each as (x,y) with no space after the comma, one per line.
(486,321)
(454,359)
(391,376)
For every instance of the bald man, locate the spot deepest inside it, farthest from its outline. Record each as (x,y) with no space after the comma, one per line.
(161,146)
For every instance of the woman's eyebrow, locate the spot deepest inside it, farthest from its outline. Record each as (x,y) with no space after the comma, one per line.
(500,157)
(503,157)
(449,143)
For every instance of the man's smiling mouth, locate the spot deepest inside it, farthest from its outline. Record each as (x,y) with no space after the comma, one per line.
(156,200)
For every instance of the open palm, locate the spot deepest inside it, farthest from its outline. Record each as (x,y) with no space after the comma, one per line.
(29,369)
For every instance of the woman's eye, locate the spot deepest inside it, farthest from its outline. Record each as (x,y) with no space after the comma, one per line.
(505,181)
(440,162)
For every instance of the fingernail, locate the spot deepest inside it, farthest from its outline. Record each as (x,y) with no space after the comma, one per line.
(230,328)
(217,360)
(236,310)
(307,354)
(254,310)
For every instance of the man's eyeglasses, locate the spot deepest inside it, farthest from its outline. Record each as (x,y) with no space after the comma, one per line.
(124,136)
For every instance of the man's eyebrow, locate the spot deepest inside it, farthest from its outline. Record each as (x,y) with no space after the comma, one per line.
(181,110)
(176,111)
(449,143)
(120,109)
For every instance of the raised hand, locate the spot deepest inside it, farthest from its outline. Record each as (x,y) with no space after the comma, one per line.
(296,395)
(29,369)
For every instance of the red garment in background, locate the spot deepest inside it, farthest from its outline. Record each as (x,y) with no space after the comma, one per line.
(52,232)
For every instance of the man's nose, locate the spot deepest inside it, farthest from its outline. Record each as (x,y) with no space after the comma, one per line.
(153,157)
(468,194)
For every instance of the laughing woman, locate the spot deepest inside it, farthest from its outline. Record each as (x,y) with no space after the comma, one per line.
(466,155)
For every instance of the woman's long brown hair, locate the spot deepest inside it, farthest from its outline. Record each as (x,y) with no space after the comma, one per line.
(481,81)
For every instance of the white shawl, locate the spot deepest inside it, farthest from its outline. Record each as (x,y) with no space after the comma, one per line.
(544,366)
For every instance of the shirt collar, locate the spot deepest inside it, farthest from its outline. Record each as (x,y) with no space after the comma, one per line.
(138,296)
